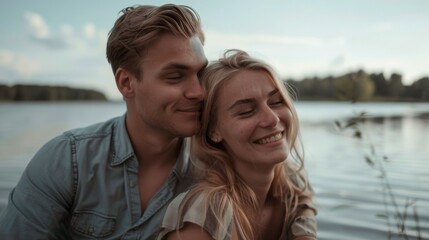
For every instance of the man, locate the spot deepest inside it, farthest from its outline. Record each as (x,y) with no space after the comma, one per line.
(114,179)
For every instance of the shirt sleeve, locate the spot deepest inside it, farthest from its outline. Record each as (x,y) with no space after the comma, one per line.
(41,199)
(196,212)
(304,226)
(301,180)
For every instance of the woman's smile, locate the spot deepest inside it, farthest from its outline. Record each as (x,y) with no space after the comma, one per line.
(270,139)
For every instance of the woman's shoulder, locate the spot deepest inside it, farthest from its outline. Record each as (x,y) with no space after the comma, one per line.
(202,207)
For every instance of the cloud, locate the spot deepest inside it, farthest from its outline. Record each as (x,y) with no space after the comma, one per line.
(339,61)
(264,46)
(102,39)
(67,55)
(40,33)
(382,27)
(291,55)
(20,64)
(217,37)
(338,41)
(72,39)
(6,58)
(67,30)
(66,38)
(89,30)
(37,25)
(273,45)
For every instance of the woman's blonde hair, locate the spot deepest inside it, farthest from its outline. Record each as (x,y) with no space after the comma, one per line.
(219,180)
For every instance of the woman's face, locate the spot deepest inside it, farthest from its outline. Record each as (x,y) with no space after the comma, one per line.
(252,121)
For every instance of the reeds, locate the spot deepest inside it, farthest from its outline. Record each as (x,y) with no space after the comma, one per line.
(394,214)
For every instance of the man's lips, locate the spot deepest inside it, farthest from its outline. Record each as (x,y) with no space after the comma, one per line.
(190,109)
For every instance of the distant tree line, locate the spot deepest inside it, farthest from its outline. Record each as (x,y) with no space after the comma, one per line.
(21,92)
(360,86)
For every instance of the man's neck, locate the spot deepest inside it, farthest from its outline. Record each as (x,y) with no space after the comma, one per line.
(157,155)
(151,147)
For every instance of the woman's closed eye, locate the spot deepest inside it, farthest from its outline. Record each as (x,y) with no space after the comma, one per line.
(277,102)
(246,112)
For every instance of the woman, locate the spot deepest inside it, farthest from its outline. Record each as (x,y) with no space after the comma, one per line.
(247,153)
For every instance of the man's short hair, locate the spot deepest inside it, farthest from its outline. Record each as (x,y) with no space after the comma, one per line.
(139,26)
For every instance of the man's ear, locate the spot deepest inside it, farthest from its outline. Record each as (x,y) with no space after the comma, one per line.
(124,80)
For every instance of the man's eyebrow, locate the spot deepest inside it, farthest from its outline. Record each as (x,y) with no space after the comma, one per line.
(181,66)
(241,102)
(175,66)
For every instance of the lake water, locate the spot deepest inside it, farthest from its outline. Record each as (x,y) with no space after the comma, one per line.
(349,195)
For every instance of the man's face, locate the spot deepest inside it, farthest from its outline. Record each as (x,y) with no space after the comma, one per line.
(168,95)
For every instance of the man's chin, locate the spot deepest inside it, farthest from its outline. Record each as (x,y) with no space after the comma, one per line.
(188,131)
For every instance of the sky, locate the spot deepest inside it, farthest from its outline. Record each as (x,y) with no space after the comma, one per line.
(63,42)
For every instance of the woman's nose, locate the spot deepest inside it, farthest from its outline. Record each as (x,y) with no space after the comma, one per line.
(269,118)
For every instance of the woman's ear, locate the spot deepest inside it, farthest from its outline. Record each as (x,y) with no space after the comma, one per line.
(123,80)
(216,137)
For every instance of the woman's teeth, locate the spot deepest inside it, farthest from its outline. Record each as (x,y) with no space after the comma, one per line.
(273,138)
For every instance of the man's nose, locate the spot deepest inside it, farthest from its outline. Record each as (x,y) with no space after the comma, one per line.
(194,89)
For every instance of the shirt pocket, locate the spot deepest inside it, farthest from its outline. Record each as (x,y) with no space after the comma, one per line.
(93,224)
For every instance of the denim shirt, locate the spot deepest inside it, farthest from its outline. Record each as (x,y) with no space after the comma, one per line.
(83,185)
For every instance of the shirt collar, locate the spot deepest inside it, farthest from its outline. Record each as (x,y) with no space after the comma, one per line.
(122,147)
(182,163)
